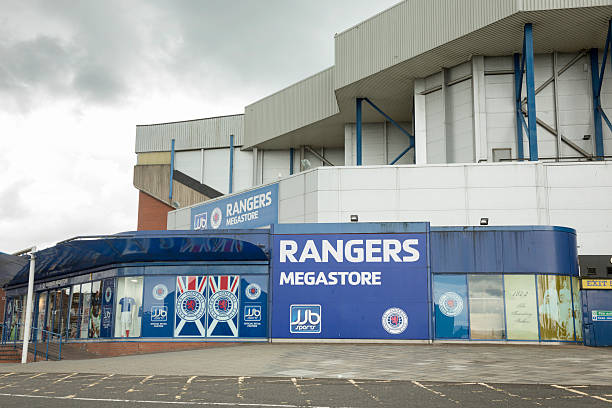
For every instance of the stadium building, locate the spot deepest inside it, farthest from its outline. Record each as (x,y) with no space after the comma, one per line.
(471,133)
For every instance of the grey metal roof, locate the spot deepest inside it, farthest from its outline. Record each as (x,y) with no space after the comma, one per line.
(191,134)
(309,101)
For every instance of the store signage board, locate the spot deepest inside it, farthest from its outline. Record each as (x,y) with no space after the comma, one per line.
(251,209)
(350,286)
(596,284)
(601,315)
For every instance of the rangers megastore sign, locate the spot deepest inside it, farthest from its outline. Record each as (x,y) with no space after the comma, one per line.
(251,209)
(348,286)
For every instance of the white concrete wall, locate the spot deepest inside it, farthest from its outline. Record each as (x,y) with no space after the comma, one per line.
(381,143)
(190,163)
(576,195)
(215,171)
(449,126)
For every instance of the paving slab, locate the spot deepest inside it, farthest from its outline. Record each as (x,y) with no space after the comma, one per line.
(522,364)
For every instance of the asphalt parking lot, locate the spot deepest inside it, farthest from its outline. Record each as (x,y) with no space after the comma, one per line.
(102,390)
(322,375)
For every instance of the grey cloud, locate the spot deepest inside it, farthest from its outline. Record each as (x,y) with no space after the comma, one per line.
(98,84)
(107,49)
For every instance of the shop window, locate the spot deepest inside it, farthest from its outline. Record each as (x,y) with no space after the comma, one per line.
(555,307)
(40,316)
(21,310)
(128,307)
(94,311)
(577,308)
(451,308)
(486,295)
(75,316)
(86,304)
(521,307)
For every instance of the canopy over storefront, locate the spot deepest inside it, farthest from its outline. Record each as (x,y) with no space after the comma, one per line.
(10,265)
(83,253)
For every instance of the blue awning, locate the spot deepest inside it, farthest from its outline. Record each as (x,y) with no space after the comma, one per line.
(142,246)
(10,266)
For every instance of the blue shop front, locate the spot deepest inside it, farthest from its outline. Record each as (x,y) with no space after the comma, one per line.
(149,285)
(308,282)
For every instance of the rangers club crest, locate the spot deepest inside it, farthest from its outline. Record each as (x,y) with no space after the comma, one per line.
(190,306)
(160,291)
(450,304)
(223,306)
(253,291)
(215,219)
(108,294)
(395,320)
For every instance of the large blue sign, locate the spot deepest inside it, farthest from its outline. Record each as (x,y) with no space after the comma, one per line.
(251,209)
(350,286)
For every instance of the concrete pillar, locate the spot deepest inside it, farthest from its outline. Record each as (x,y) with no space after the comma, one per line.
(479,110)
(420,123)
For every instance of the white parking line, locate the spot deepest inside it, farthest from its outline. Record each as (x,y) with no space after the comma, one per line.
(115,400)
(581,393)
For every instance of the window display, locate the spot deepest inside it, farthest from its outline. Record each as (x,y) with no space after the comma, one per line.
(128,309)
(521,307)
(64,295)
(451,308)
(75,315)
(577,308)
(555,308)
(40,319)
(94,311)
(86,303)
(486,307)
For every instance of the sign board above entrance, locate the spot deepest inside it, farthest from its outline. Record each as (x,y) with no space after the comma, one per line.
(251,209)
(596,283)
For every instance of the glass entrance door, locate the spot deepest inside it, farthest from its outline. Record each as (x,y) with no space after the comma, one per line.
(57,316)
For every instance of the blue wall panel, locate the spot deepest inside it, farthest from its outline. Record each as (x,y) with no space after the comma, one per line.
(511,250)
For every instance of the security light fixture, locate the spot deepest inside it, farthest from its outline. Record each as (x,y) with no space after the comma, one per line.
(354,218)
(484,221)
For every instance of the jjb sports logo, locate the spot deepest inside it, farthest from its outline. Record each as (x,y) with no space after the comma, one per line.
(252,313)
(200,221)
(450,304)
(216,218)
(395,320)
(305,319)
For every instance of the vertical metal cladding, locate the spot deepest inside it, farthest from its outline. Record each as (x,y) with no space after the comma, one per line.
(192,134)
(407,30)
(532,5)
(301,104)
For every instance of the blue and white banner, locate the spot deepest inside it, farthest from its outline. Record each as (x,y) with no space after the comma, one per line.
(190,319)
(158,306)
(254,306)
(108,296)
(350,286)
(223,306)
(251,209)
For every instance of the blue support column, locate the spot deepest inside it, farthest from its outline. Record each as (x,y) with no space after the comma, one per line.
(596,85)
(528,59)
(518,87)
(231,165)
(291,161)
(359,141)
(171,168)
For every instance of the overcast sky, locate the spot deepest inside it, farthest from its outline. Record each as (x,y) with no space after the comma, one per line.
(76,77)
